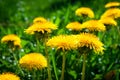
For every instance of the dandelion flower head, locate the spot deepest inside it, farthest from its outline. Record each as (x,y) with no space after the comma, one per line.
(11,38)
(64,42)
(84,11)
(108,21)
(93,25)
(33,61)
(74,26)
(112,12)
(41,27)
(112,4)
(90,41)
(39,19)
(9,76)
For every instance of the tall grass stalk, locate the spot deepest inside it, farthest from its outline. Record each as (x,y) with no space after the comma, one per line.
(63,66)
(47,55)
(83,67)
(54,66)
(16,61)
(37,45)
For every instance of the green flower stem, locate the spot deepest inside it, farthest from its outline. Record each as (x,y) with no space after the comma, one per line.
(38,74)
(63,67)
(54,66)
(83,67)
(44,70)
(118,29)
(34,74)
(16,61)
(48,60)
(38,44)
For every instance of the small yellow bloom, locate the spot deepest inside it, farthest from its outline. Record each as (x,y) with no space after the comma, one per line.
(74,26)
(90,41)
(112,4)
(9,76)
(41,27)
(12,38)
(84,11)
(39,19)
(93,25)
(64,42)
(108,21)
(112,12)
(33,61)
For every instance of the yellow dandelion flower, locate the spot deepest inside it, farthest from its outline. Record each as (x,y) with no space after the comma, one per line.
(108,21)
(9,76)
(12,38)
(41,27)
(112,12)
(39,19)
(74,26)
(64,42)
(112,4)
(90,41)
(93,25)
(84,11)
(33,61)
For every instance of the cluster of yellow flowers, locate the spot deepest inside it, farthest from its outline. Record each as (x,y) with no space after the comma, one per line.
(32,60)
(86,39)
(67,42)
(107,18)
(112,13)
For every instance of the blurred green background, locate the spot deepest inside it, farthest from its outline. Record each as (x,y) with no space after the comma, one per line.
(27,9)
